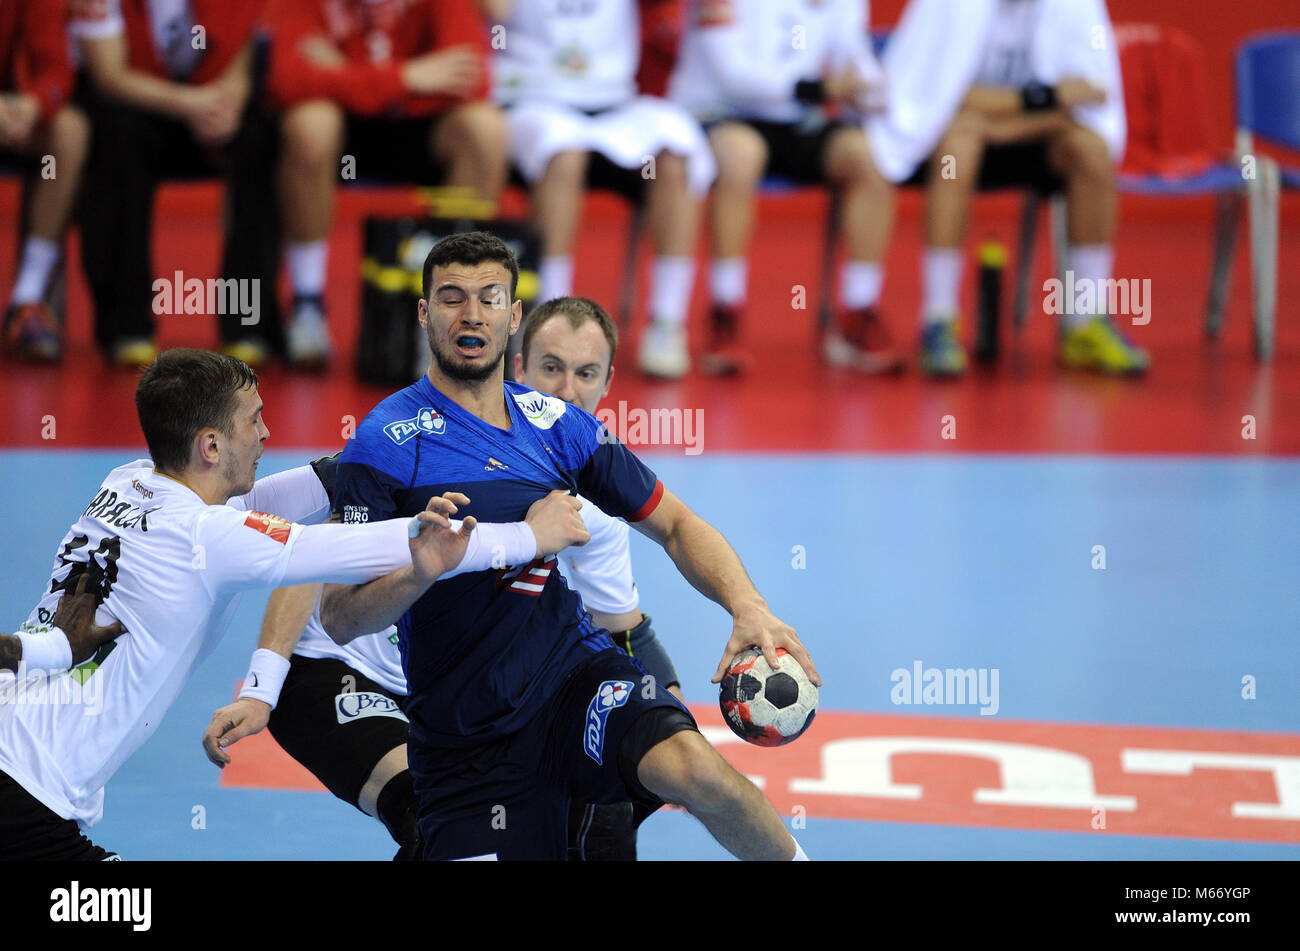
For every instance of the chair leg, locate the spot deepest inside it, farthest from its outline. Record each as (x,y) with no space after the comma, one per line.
(1060,247)
(1025,256)
(1264,210)
(826,314)
(1227,224)
(627,303)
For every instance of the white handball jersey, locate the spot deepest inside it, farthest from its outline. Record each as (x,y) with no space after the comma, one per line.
(600,571)
(172,568)
(583,53)
(743,57)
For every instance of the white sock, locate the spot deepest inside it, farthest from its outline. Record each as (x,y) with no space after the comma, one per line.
(941,281)
(670,288)
(555,273)
(728,281)
(1090,262)
(860,283)
(307,267)
(39,258)
(799,854)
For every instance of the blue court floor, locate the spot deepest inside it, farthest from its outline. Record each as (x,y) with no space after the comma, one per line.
(970,561)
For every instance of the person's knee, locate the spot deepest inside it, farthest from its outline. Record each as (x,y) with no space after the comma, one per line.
(1081,152)
(478,127)
(567,169)
(848,160)
(312,134)
(69,136)
(741,155)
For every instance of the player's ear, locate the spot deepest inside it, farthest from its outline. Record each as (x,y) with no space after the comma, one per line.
(423,312)
(519,368)
(208,444)
(516,315)
(609,381)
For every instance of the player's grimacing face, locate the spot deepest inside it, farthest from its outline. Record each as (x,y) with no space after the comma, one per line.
(242,446)
(468,318)
(572,365)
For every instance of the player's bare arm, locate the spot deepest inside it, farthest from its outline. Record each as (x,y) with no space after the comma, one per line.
(350,611)
(713,568)
(75,616)
(287,614)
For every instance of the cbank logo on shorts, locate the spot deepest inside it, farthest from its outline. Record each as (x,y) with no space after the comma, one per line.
(427,420)
(358,706)
(610,694)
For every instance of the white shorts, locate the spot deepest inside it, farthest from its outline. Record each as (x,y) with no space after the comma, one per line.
(625,135)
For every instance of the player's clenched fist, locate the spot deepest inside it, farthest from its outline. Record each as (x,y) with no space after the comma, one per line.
(437,546)
(556,523)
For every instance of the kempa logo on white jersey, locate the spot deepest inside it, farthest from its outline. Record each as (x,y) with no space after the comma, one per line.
(427,420)
(542,411)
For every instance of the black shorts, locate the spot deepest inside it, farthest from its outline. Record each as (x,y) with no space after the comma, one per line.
(1018,165)
(795,150)
(32,832)
(393,150)
(509,798)
(337,722)
(642,643)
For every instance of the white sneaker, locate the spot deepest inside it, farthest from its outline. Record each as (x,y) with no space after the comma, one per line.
(663,351)
(308,339)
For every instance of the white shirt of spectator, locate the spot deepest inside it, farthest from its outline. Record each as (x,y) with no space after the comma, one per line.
(582,53)
(742,58)
(1008,48)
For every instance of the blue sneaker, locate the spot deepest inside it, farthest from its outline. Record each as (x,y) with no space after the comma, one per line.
(941,352)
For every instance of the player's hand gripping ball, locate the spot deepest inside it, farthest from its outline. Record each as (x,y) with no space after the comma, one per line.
(767,707)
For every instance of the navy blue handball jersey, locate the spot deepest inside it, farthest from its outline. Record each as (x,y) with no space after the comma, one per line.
(483,651)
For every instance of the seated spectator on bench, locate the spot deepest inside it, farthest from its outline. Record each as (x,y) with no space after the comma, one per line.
(392,89)
(1008,91)
(170,93)
(40,131)
(567,73)
(760,75)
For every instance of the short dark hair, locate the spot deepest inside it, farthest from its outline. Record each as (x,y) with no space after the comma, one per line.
(578,310)
(183,393)
(470,247)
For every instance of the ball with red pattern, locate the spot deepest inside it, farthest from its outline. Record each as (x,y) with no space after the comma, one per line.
(767,707)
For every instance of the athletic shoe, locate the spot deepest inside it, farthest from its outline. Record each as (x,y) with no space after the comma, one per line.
(31,331)
(1099,345)
(252,351)
(663,351)
(941,352)
(724,356)
(862,343)
(308,339)
(133,353)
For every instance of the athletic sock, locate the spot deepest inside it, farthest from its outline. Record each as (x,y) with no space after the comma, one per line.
(38,260)
(860,283)
(396,809)
(307,267)
(670,288)
(1091,262)
(941,284)
(555,273)
(728,281)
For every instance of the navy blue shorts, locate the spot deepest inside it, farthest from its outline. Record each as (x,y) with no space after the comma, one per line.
(509,798)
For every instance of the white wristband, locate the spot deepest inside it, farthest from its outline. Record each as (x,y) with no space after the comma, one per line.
(47,651)
(265,677)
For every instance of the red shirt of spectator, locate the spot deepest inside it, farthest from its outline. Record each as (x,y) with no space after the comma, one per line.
(375,38)
(226,27)
(34,51)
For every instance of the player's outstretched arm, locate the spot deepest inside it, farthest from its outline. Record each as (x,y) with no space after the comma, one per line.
(712,566)
(75,618)
(286,617)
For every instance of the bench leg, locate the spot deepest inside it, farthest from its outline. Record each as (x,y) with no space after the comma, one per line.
(1227,223)
(1025,256)
(1264,201)
(826,314)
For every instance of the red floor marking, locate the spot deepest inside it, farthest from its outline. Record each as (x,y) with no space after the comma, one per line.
(1192,402)
(1052,776)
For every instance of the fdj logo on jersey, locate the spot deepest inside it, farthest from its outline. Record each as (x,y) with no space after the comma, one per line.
(427,420)
(610,694)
